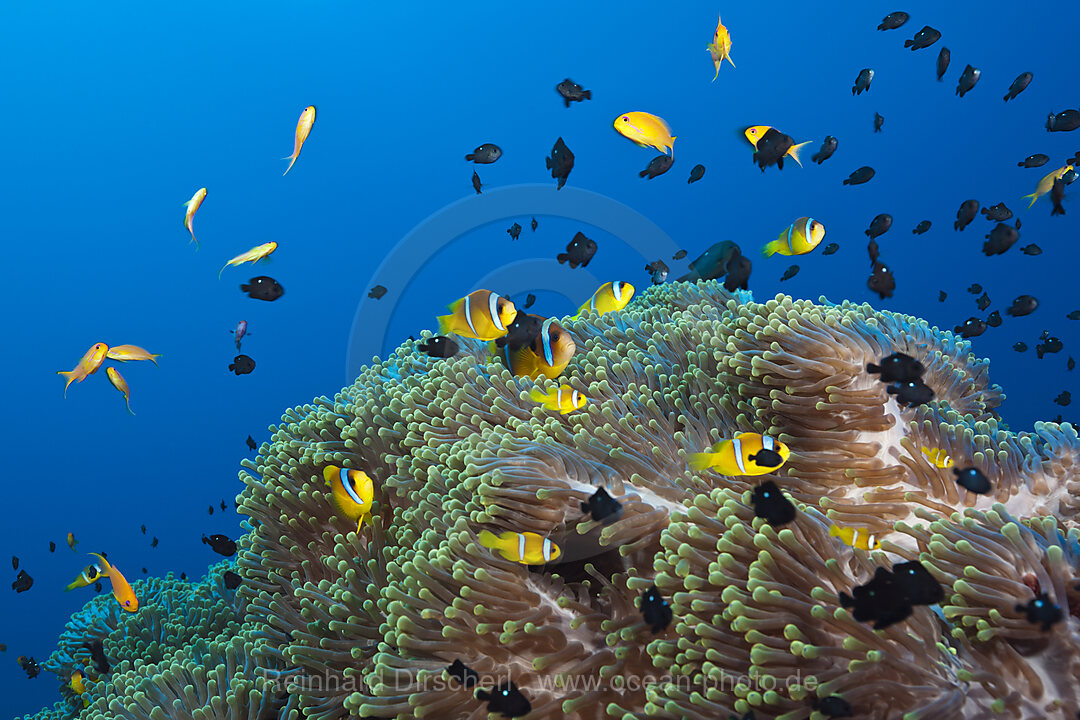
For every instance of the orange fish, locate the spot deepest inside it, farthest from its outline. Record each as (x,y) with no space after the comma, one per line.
(87,366)
(720,47)
(192,206)
(120,384)
(121,588)
(303,128)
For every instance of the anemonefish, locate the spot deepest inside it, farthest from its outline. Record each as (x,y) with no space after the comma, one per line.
(527,548)
(855,537)
(351,493)
(192,206)
(253,255)
(77,684)
(120,384)
(563,399)
(87,366)
(755,133)
(720,47)
(1047,184)
(938,457)
(303,128)
(481,314)
(89,575)
(71,541)
(798,238)
(610,296)
(745,454)
(124,353)
(647,130)
(547,356)
(121,588)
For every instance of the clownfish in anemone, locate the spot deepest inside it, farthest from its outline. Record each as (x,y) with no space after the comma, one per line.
(351,493)
(855,537)
(547,355)
(121,588)
(563,399)
(745,454)
(611,296)
(89,575)
(526,548)
(938,458)
(481,314)
(798,238)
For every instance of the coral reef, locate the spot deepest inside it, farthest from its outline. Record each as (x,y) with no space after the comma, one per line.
(329,623)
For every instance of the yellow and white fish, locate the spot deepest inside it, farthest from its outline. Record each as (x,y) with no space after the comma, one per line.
(798,238)
(89,575)
(88,365)
(938,457)
(192,206)
(303,129)
(745,454)
(351,493)
(647,130)
(855,537)
(1046,184)
(547,356)
(609,297)
(720,47)
(563,399)
(481,314)
(120,384)
(124,353)
(253,255)
(527,548)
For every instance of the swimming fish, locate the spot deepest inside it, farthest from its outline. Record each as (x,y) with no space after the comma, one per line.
(1020,347)
(646,129)
(1064,398)
(830,249)
(220,544)
(520,333)
(997,213)
(860,176)
(560,163)
(1047,183)
(29,665)
(1041,610)
(771,505)
(534,224)
(938,457)
(572,92)
(658,269)
(771,145)
(897,367)
(439,346)
(911,393)
(609,297)
(88,365)
(251,446)
(828,147)
(655,609)
(76,683)
(967,212)
(833,706)
(239,333)
(972,327)
(720,47)
(1018,85)
(23,582)
(943,58)
(14,562)
(881,280)
(747,453)
(1000,239)
(921,227)
(1034,161)
(124,353)
(893,20)
(376,292)
(121,589)
(231,580)
(351,493)
(242,365)
(983,301)
(881,600)
(263,288)
(657,166)
(303,128)
(253,255)
(879,226)
(696,173)
(481,314)
(873,250)
(463,673)
(855,537)
(1064,121)
(738,270)
(879,121)
(563,399)
(712,263)
(547,356)
(192,206)
(514,231)
(968,79)
(923,39)
(602,507)
(476,183)
(485,154)
(579,251)
(798,238)
(52,546)
(791,272)
(862,82)
(120,384)
(91,574)
(1048,345)
(526,548)
(506,700)
(71,541)
(1023,305)
(1057,194)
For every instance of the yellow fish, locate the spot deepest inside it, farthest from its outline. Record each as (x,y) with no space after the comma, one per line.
(547,356)
(89,575)
(77,683)
(87,366)
(799,238)
(481,314)
(755,133)
(303,128)
(1046,184)
(563,399)
(527,548)
(855,537)
(72,542)
(646,130)
(938,458)
(351,493)
(745,454)
(120,384)
(123,353)
(720,47)
(253,255)
(192,206)
(609,297)
(121,588)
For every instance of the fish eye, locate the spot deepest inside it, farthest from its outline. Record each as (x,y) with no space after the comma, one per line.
(625,119)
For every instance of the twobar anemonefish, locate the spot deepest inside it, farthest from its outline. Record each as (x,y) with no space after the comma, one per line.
(253,255)
(351,493)
(609,297)
(481,314)
(745,454)
(120,384)
(720,47)
(77,683)
(89,575)
(547,356)
(527,548)
(938,457)
(647,130)
(855,537)
(756,133)
(71,541)
(121,588)
(563,399)
(124,353)
(799,238)
(87,366)
(303,128)
(1047,184)
(192,206)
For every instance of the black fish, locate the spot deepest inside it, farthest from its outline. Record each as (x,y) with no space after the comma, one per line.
(738,273)
(830,249)
(231,580)
(893,20)
(791,272)
(771,149)
(657,166)
(1064,398)
(771,504)
(1019,347)
(696,173)
(1000,239)
(860,176)
(1034,161)
(972,480)
(994,319)
(463,674)
(439,347)
(476,183)
(881,281)
(873,251)
(23,582)
(968,78)
(211,512)
(972,327)
(881,600)
(220,544)
(879,225)
(975,288)
(560,163)
(1057,194)
(30,666)
(263,288)
(153,543)
(514,231)
(1031,249)
(943,58)
(833,706)
(376,292)
(97,654)
(521,332)
(242,365)
(712,263)
(1074,315)
(997,213)
(183,576)
(602,506)
(656,610)
(1018,85)
(1070,365)
(658,269)
(828,147)
(897,367)
(1048,345)
(923,39)
(862,82)
(967,212)
(879,120)
(529,300)
(917,584)
(14,562)
(145,571)
(52,546)
(579,251)
(1041,610)
(679,255)
(534,224)
(1022,305)
(572,92)
(1064,121)
(942,295)
(911,393)
(506,700)
(921,228)
(983,301)
(485,154)
(251,446)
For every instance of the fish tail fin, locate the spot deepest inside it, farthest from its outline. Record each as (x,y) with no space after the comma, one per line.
(71,586)
(538,395)
(728,56)
(470,157)
(446,323)
(71,376)
(672,146)
(292,161)
(222,270)
(562,257)
(1033,196)
(489,540)
(130,411)
(587,94)
(700,461)
(771,248)
(795,150)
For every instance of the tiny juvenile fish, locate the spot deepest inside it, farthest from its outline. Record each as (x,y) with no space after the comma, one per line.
(514,231)
(656,610)
(972,480)
(791,272)
(696,173)
(855,537)
(602,507)
(476,183)
(377,292)
(303,129)
(938,458)
(921,228)
(879,122)
(563,399)
(657,167)
(830,249)
(860,176)
(242,365)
